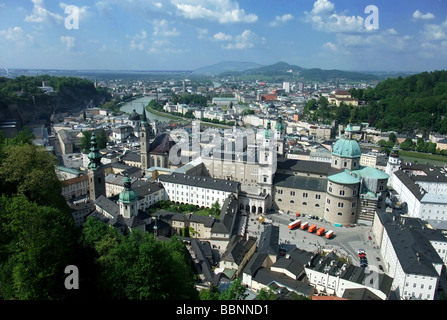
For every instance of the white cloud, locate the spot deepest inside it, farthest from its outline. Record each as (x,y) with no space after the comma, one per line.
(247,39)
(281,20)
(82,11)
(417,15)
(104,8)
(40,14)
(330,46)
(323,7)
(433,32)
(68,41)
(323,17)
(16,35)
(137,41)
(161,28)
(223,11)
(222,37)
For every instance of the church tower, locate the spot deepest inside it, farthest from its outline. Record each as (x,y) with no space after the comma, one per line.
(145,135)
(97,184)
(279,136)
(267,160)
(393,164)
(128,200)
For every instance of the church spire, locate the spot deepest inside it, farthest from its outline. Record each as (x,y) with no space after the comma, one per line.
(144,118)
(94,155)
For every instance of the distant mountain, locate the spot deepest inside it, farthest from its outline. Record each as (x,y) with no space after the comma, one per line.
(227,66)
(320,75)
(284,71)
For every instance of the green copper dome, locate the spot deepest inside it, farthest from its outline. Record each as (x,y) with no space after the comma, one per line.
(347,147)
(279,125)
(128,195)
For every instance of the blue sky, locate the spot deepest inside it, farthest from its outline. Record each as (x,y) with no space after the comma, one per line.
(188,34)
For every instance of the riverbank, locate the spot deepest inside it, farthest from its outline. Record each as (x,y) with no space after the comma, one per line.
(178,118)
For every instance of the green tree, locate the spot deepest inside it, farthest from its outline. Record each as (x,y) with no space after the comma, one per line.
(86,141)
(215,208)
(236,291)
(210,294)
(266,294)
(42,242)
(139,267)
(407,144)
(101,138)
(29,170)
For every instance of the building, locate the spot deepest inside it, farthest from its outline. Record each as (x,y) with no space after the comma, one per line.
(422,190)
(342,96)
(75,187)
(97,181)
(333,277)
(134,121)
(198,190)
(237,254)
(224,102)
(123,213)
(342,192)
(409,256)
(123,133)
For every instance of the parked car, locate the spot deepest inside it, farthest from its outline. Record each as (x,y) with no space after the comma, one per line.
(369,238)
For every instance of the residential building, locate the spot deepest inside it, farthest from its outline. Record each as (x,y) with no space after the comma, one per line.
(409,256)
(198,190)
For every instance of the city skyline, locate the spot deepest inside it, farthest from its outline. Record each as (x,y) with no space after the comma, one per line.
(189,34)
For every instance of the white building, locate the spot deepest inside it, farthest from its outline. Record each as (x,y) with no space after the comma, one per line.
(198,190)
(423,189)
(409,256)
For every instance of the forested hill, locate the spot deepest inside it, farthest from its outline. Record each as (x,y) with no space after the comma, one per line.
(22,97)
(406,104)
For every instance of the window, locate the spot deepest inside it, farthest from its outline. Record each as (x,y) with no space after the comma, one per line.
(328,201)
(305,194)
(292,193)
(304,203)
(340,204)
(342,192)
(318,196)
(280,191)
(291,201)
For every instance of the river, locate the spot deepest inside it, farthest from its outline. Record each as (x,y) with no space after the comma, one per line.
(139,104)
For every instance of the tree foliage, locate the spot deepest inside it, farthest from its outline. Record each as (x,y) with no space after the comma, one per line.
(418,102)
(137,266)
(38,240)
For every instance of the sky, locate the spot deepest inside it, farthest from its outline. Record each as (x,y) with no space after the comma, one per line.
(396,35)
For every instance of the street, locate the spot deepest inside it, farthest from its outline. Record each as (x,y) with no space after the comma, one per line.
(345,242)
